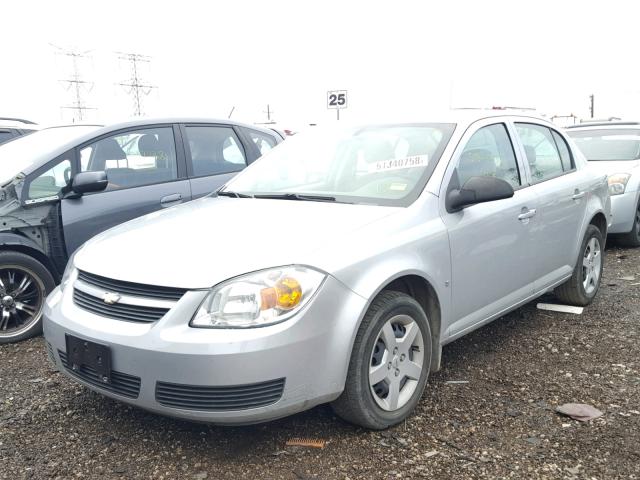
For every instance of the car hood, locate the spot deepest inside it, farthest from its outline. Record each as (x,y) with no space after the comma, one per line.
(204,242)
(610,167)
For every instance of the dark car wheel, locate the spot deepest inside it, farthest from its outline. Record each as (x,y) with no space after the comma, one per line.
(389,363)
(584,284)
(632,239)
(24,285)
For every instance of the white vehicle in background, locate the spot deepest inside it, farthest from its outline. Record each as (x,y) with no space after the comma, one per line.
(613,148)
(11,128)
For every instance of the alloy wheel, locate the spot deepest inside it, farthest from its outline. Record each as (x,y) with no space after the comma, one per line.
(22,296)
(591,266)
(396,362)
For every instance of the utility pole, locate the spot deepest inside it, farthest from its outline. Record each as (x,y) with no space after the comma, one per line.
(591,104)
(135,84)
(76,83)
(268,111)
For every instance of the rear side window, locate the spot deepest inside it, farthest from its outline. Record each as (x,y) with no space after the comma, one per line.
(5,135)
(565,153)
(489,153)
(263,141)
(214,150)
(541,151)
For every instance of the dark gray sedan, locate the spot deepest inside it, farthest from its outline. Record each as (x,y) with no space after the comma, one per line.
(60,186)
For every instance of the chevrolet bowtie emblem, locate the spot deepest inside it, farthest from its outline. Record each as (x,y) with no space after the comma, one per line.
(111,298)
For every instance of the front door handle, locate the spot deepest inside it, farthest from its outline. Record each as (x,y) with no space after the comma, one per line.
(578,195)
(527,215)
(171,199)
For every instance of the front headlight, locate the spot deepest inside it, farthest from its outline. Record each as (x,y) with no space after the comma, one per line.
(66,276)
(258,299)
(618,183)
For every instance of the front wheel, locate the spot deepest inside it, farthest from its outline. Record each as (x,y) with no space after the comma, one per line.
(24,285)
(389,363)
(584,284)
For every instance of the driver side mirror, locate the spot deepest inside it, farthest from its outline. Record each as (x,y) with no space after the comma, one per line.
(88,182)
(478,190)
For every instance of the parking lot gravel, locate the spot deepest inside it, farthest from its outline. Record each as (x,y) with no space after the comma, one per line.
(489,413)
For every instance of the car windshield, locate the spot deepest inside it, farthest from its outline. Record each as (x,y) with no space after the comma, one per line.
(19,154)
(381,165)
(603,145)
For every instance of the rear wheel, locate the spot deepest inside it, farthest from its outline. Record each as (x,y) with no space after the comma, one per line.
(24,285)
(584,284)
(632,239)
(389,364)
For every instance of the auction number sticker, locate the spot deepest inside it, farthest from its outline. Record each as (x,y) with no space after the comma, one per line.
(399,163)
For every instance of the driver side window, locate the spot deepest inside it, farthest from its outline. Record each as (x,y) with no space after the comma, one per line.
(133,158)
(489,153)
(51,182)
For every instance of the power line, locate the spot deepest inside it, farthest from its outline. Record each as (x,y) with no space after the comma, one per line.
(136,85)
(76,83)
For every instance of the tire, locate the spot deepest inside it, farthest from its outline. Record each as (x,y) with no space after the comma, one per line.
(576,290)
(632,239)
(391,318)
(24,286)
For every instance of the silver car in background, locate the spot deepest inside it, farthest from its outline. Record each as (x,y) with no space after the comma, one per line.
(333,269)
(613,149)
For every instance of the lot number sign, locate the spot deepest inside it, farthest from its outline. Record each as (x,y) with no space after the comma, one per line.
(337,99)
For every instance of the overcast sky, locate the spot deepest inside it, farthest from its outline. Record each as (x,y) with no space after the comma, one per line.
(394,57)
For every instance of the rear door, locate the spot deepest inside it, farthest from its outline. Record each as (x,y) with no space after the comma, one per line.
(214,153)
(146,172)
(562,192)
(492,246)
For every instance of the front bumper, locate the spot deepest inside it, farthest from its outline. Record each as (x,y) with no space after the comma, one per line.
(308,354)
(623,211)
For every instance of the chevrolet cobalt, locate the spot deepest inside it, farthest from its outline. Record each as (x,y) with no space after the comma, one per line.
(333,269)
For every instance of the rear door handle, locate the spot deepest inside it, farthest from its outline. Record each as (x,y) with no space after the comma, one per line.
(171,199)
(578,195)
(527,215)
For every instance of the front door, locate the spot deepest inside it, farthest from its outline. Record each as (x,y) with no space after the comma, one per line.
(144,174)
(492,251)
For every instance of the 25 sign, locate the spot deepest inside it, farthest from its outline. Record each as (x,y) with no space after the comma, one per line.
(337,99)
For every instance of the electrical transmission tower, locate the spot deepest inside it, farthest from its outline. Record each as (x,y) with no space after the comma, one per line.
(76,83)
(135,84)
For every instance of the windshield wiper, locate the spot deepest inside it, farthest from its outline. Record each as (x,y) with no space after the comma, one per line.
(297,196)
(227,193)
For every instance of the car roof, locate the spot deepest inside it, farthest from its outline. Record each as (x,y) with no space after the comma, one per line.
(138,122)
(606,124)
(19,123)
(463,118)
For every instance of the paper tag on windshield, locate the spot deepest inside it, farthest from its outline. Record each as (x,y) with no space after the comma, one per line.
(399,163)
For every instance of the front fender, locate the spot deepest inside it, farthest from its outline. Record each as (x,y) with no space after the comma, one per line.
(9,239)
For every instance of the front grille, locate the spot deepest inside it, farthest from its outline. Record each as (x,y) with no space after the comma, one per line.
(121,383)
(237,397)
(118,311)
(130,288)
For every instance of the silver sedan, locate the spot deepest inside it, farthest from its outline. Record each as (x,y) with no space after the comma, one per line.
(334,269)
